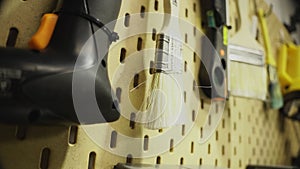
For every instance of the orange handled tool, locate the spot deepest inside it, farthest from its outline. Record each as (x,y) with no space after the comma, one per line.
(42,37)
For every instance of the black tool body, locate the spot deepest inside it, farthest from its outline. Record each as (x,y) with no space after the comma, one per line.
(37,86)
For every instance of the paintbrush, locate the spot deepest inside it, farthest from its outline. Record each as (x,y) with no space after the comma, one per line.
(165,102)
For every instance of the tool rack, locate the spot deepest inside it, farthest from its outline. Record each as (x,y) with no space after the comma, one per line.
(248,132)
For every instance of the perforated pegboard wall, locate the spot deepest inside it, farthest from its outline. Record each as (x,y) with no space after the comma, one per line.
(247,133)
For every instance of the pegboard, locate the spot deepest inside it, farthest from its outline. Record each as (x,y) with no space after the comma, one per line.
(248,133)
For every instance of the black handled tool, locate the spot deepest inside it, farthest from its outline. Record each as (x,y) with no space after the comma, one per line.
(36,87)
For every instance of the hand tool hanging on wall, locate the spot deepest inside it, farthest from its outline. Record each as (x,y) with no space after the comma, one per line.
(214,23)
(36,86)
(289,77)
(276,100)
(247,58)
(165,104)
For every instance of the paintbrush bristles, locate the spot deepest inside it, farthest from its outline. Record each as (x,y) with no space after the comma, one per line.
(165,105)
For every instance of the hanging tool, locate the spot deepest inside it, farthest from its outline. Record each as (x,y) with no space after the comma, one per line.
(276,100)
(289,77)
(37,86)
(246,57)
(165,104)
(214,23)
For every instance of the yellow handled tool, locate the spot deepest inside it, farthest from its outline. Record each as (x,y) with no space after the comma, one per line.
(274,86)
(289,76)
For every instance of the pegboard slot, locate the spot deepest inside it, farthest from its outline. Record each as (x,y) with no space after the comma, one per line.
(142,11)
(156,5)
(171,145)
(132,120)
(73,135)
(92,160)
(113,139)
(129,159)
(44,161)
(181,161)
(12,37)
(127,20)
(21,132)
(146,142)
(158,160)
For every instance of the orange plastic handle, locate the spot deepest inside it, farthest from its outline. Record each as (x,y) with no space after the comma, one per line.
(42,37)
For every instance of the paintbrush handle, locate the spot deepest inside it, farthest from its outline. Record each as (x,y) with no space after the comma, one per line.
(168,57)
(171,22)
(243,6)
(269,53)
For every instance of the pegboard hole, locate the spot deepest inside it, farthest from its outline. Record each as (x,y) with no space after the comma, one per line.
(184,96)
(186,13)
(223,123)
(234,151)
(73,135)
(160,130)
(142,12)
(129,159)
(185,66)
(240,116)
(21,132)
(186,38)
(132,120)
(201,132)
(118,94)
(156,5)
(229,137)
(234,126)
(195,31)
(193,115)
(181,161)
(200,161)
(195,57)
(229,163)
(139,44)
(192,147)
(209,120)
(223,150)
(146,143)
(158,160)
(113,139)
(216,162)
(92,160)
(202,103)
(136,80)
(240,163)
(217,135)
(194,7)
(12,37)
(183,130)
(154,34)
(194,85)
(171,145)
(103,63)
(44,161)
(127,20)
(208,149)
(122,55)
